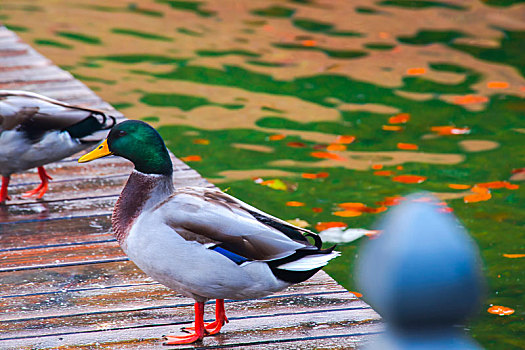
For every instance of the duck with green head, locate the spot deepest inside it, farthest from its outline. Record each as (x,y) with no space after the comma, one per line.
(200,241)
(36,130)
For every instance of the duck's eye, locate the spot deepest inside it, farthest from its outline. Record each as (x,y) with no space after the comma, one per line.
(122,133)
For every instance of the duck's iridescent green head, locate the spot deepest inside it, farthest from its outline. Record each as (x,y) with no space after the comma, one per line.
(137,142)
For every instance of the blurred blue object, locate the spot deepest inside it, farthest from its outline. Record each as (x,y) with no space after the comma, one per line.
(423,275)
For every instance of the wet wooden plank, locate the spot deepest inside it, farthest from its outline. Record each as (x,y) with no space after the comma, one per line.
(66,284)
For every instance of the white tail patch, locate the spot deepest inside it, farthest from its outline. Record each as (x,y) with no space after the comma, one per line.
(309,262)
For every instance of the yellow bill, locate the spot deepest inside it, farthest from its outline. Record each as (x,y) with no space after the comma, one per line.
(102,150)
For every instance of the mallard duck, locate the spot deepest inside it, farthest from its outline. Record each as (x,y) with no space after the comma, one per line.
(36,130)
(201,242)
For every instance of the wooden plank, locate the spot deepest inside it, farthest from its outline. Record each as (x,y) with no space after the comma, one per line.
(246,330)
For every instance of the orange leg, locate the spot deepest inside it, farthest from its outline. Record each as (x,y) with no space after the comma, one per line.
(220,320)
(42,188)
(194,337)
(3,190)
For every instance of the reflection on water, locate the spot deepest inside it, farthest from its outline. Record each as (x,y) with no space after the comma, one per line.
(321,110)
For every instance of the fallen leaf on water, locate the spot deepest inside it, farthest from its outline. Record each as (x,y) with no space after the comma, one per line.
(295,204)
(469,99)
(497,85)
(336,147)
(276,137)
(346,139)
(201,142)
(276,184)
(500,310)
(392,127)
(407,146)
(352,205)
(374,210)
(383,173)
(514,256)
(409,179)
(327,155)
(298,222)
(357,294)
(400,118)
(450,130)
(342,235)
(377,166)
(296,144)
(308,43)
(315,176)
(309,176)
(458,186)
(321,226)
(389,201)
(192,158)
(416,71)
(498,184)
(480,194)
(347,213)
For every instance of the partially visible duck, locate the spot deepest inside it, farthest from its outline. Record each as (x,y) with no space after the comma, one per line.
(36,130)
(199,241)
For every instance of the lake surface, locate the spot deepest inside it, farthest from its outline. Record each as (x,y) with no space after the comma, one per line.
(304,107)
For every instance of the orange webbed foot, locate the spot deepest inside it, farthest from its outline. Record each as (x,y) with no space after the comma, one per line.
(42,188)
(182,339)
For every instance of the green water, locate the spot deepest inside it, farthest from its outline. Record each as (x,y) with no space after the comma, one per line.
(257,89)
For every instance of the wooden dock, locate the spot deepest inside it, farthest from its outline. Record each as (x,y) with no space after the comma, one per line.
(66,284)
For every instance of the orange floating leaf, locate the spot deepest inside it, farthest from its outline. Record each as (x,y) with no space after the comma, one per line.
(383,173)
(308,43)
(327,155)
(296,144)
(192,158)
(345,139)
(315,176)
(357,294)
(500,310)
(416,71)
(480,194)
(469,99)
(392,127)
(458,186)
(321,226)
(450,130)
(390,201)
(347,213)
(295,204)
(336,147)
(400,118)
(497,85)
(514,256)
(498,184)
(407,146)
(377,166)
(409,179)
(276,137)
(309,176)
(352,205)
(201,142)
(374,210)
